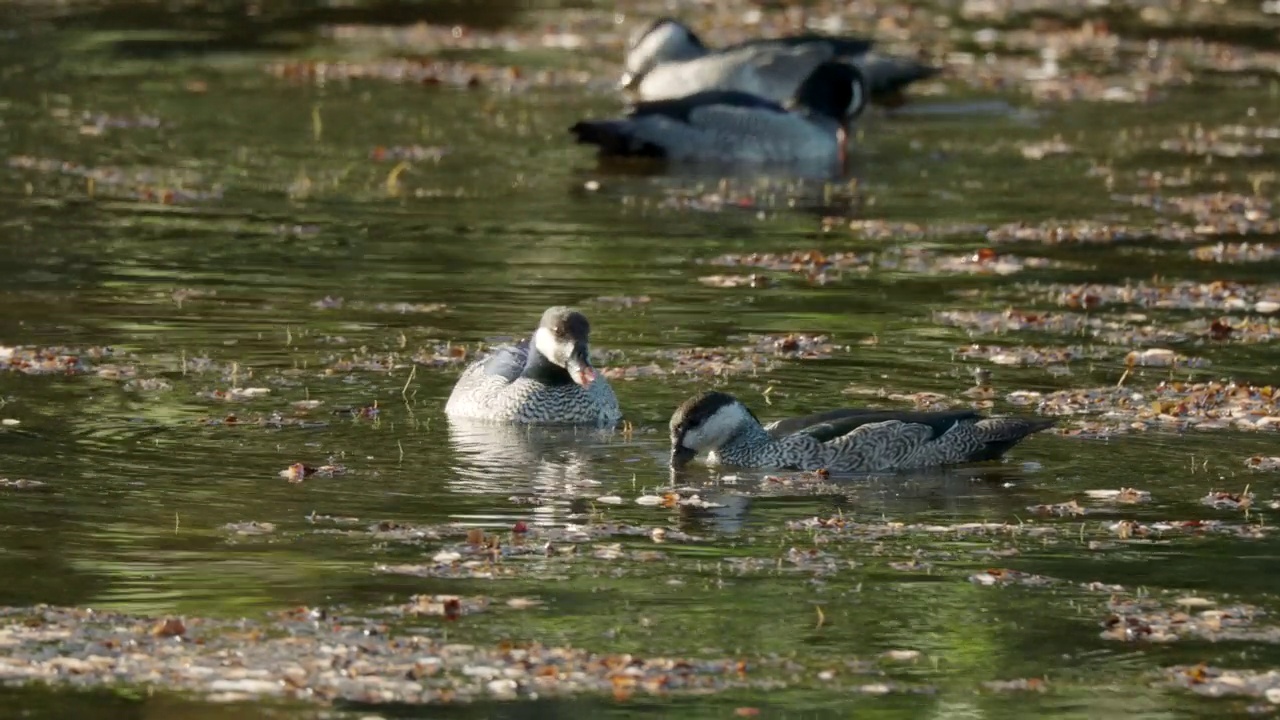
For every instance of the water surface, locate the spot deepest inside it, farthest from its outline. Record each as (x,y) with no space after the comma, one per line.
(207,241)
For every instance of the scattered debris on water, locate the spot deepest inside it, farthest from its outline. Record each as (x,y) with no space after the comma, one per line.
(325,657)
(251,527)
(52,360)
(298,472)
(1157,620)
(1123,496)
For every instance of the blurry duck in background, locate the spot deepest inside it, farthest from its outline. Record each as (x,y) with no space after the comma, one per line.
(730,126)
(667,60)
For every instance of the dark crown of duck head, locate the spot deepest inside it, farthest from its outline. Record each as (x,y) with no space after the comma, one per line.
(697,410)
(835,89)
(566,323)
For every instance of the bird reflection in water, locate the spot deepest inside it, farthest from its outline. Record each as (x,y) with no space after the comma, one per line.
(550,465)
(964,491)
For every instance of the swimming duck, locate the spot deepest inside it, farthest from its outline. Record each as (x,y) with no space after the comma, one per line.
(847,440)
(546,379)
(732,126)
(666,59)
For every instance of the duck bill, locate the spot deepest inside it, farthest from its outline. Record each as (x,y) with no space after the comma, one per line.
(681,456)
(580,369)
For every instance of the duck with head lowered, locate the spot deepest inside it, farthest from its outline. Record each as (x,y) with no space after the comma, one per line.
(665,59)
(845,440)
(545,379)
(727,126)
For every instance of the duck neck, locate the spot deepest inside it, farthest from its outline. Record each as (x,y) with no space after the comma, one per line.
(540,368)
(742,448)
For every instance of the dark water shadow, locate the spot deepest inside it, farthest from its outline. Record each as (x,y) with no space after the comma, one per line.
(586,707)
(243,27)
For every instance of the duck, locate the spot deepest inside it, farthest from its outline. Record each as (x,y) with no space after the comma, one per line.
(842,440)
(545,379)
(737,127)
(665,59)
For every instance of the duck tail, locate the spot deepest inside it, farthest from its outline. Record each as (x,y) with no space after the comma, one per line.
(615,138)
(889,76)
(1000,434)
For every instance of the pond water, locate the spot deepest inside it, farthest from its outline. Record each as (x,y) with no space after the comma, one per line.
(221,266)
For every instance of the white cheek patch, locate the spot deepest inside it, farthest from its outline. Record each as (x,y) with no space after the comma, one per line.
(544,341)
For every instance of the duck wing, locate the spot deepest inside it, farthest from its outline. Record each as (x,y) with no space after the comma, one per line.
(890,440)
(838,46)
(703,125)
(684,109)
(507,362)
(776,72)
(827,426)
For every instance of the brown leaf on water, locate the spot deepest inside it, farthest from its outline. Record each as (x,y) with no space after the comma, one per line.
(1151,357)
(1070,507)
(623,687)
(328,303)
(1126,496)
(169,627)
(1027,684)
(251,527)
(449,607)
(452,609)
(1228,501)
(902,655)
(298,472)
(912,565)
(1041,150)
(20,483)
(1263,462)
(1002,576)
(624,301)
(235,394)
(754,280)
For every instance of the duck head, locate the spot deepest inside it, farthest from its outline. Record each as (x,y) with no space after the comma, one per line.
(561,338)
(837,90)
(664,40)
(705,423)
